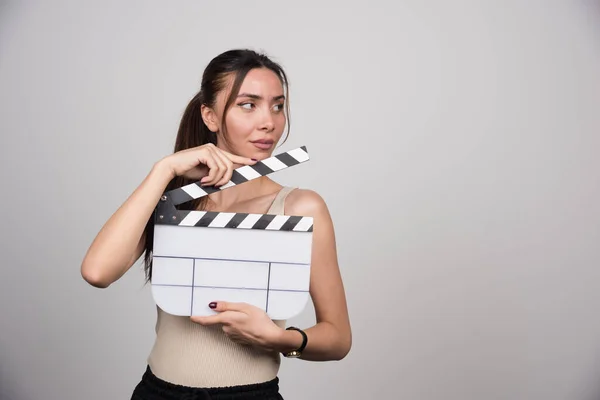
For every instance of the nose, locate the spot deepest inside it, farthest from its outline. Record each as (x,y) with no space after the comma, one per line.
(267,124)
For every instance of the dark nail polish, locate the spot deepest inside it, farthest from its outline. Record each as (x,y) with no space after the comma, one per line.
(212,305)
(254,159)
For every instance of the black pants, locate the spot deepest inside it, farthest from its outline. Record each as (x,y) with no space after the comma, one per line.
(153,388)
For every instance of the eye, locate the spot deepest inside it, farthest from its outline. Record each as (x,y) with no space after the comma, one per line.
(279,107)
(247,106)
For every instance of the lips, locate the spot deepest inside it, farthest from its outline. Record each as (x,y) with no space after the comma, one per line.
(263,144)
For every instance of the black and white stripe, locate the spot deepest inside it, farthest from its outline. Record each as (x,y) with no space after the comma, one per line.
(270,222)
(241,175)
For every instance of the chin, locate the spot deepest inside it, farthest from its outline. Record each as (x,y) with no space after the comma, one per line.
(260,154)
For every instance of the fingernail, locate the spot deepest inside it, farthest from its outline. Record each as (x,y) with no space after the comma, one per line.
(212,305)
(254,159)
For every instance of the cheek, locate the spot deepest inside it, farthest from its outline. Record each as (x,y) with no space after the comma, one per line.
(280,118)
(239,126)
(280,121)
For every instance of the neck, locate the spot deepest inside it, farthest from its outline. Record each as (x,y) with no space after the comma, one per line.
(222,200)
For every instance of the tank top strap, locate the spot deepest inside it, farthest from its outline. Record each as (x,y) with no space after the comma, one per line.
(278,205)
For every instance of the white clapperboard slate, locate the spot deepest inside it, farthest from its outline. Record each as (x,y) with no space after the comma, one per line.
(260,259)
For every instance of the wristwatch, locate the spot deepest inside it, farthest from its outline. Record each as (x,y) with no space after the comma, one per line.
(298,352)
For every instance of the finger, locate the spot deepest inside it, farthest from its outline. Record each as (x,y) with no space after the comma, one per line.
(228,168)
(207,320)
(234,335)
(239,159)
(240,340)
(213,168)
(221,163)
(206,158)
(228,330)
(214,172)
(222,306)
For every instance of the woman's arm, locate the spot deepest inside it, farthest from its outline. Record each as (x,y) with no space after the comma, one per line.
(331,337)
(120,242)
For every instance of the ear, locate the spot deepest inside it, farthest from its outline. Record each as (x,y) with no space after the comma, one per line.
(209,117)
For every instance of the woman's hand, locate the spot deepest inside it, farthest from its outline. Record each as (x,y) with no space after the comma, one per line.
(245,324)
(207,163)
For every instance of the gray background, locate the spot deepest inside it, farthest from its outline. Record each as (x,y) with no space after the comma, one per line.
(456,143)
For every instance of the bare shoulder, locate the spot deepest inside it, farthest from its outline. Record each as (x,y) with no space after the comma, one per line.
(305,202)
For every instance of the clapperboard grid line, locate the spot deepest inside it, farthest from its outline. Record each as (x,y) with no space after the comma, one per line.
(192,286)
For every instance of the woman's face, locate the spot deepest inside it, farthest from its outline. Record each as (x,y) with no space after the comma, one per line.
(256,119)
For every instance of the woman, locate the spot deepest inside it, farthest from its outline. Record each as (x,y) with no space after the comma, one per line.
(236,118)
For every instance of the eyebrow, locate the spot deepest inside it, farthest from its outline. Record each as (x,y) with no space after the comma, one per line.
(257,97)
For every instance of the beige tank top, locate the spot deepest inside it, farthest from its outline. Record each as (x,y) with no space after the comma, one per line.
(190,354)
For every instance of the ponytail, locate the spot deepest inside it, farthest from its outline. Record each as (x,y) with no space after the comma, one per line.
(192,132)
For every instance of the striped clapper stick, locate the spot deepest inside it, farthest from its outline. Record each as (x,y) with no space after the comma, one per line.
(260,259)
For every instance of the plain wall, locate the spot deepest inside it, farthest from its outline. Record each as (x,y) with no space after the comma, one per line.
(455,142)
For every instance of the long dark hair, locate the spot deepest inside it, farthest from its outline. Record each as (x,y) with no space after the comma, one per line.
(192,130)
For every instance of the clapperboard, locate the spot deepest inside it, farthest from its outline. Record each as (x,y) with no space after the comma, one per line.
(260,259)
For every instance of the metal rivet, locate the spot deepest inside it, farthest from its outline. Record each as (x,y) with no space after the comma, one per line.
(174,217)
(163,198)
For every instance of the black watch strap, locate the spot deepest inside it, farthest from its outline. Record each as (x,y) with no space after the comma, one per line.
(304,338)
